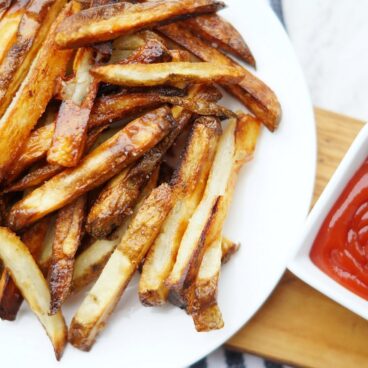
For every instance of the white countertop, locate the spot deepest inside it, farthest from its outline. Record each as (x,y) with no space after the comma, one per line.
(331,40)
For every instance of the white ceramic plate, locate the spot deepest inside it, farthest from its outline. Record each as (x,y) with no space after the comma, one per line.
(270,207)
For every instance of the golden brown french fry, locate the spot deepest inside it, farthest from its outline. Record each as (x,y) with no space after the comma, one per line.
(229,248)
(32,97)
(220,33)
(68,235)
(188,186)
(10,296)
(139,75)
(110,21)
(22,267)
(90,263)
(9,24)
(251,91)
(235,147)
(4,6)
(105,294)
(241,138)
(70,134)
(97,167)
(46,171)
(33,29)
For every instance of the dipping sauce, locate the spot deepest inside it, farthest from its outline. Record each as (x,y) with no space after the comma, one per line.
(341,246)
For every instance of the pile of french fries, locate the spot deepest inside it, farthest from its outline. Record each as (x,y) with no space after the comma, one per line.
(113,157)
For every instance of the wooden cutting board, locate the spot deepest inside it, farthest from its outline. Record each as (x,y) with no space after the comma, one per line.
(298,325)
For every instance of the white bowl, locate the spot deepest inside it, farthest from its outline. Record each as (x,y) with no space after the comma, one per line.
(302,265)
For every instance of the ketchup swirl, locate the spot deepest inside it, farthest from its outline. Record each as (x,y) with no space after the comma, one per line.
(341,246)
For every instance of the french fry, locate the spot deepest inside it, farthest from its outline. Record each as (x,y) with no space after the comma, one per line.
(100,302)
(97,167)
(68,235)
(32,97)
(33,29)
(138,75)
(70,134)
(9,25)
(188,186)
(251,91)
(30,281)
(90,263)
(110,21)
(235,147)
(202,294)
(46,171)
(10,296)
(220,33)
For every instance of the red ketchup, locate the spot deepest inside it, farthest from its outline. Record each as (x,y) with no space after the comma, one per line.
(341,246)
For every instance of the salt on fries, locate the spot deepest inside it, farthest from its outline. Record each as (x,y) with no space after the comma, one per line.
(111,134)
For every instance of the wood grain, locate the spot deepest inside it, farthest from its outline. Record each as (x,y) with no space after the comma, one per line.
(298,325)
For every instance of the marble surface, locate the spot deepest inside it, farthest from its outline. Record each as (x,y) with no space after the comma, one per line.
(330,39)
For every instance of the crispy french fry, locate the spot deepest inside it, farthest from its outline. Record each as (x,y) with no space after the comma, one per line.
(220,33)
(97,167)
(70,134)
(138,75)
(90,263)
(32,98)
(46,171)
(30,281)
(108,22)
(33,30)
(229,248)
(188,186)
(202,294)
(9,24)
(105,294)
(68,235)
(235,147)
(251,91)
(10,296)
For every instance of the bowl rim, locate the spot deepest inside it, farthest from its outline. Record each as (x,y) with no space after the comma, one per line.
(301,264)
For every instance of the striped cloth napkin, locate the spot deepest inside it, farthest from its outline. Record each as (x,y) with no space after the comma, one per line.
(225,358)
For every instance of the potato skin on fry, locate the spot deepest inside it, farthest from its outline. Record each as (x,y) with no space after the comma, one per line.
(19,261)
(100,302)
(217,31)
(97,167)
(167,73)
(107,22)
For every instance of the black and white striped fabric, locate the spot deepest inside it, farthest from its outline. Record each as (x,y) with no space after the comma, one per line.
(224,358)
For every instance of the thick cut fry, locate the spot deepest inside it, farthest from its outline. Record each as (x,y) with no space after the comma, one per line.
(105,294)
(251,91)
(30,281)
(46,171)
(32,98)
(188,186)
(90,263)
(167,73)
(220,33)
(33,29)
(108,22)
(9,25)
(235,146)
(68,235)
(70,134)
(202,294)
(10,296)
(4,6)
(100,165)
